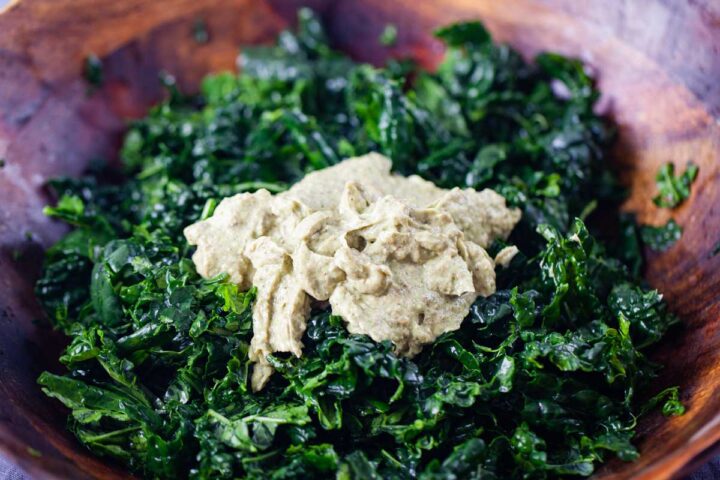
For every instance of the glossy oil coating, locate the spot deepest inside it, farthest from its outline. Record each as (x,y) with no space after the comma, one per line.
(657,64)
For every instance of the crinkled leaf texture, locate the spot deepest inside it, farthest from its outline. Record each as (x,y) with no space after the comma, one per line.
(540,380)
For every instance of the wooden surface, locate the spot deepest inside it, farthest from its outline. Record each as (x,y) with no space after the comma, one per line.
(657,63)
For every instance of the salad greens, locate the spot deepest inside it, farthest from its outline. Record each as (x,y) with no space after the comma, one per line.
(200,32)
(388,37)
(661,238)
(673,190)
(541,380)
(92,71)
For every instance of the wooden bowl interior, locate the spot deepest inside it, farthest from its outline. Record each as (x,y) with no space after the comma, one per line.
(657,64)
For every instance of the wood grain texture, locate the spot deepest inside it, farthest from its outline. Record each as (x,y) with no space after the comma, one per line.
(657,64)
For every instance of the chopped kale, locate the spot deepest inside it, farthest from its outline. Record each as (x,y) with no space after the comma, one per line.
(715,250)
(34,452)
(674,190)
(628,248)
(670,400)
(200,32)
(542,378)
(93,71)
(661,238)
(388,37)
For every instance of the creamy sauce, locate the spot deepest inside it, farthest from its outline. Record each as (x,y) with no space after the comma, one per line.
(397,257)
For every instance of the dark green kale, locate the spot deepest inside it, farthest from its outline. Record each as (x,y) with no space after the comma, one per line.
(388,37)
(200,32)
(670,400)
(674,190)
(93,71)
(661,238)
(715,250)
(628,246)
(540,381)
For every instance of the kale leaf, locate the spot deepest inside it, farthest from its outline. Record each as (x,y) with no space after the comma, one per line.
(673,190)
(661,238)
(388,37)
(715,250)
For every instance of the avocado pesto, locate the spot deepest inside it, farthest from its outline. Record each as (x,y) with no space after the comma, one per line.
(397,258)
(544,371)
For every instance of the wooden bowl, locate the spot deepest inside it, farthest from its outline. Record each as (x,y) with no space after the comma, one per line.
(657,63)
